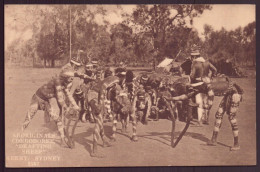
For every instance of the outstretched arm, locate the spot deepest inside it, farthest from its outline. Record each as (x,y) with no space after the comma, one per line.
(83,76)
(176,98)
(181,97)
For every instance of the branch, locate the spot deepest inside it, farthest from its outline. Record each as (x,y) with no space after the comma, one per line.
(172,19)
(191,9)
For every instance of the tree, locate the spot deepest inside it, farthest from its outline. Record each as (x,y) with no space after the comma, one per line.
(237,45)
(122,45)
(249,40)
(162,22)
(47,45)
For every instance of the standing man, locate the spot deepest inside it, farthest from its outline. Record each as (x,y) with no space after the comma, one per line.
(75,66)
(50,98)
(229,104)
(97,69)
(120,72)
(85,87)
(130,86)
(200,70)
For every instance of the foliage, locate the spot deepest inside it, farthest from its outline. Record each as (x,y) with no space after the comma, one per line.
(166,25)
(148,35)
(236,45)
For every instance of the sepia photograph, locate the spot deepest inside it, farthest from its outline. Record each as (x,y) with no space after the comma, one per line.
(130,85)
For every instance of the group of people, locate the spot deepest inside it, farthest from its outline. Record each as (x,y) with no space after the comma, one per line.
(201,71)
(56,97)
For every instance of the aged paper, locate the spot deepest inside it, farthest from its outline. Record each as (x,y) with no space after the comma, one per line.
(41,39)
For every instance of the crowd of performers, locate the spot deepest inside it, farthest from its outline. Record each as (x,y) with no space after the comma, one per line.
(147,94)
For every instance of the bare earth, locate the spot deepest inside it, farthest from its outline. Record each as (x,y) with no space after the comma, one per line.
(153,147)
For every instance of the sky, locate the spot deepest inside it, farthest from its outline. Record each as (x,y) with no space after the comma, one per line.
(228,16)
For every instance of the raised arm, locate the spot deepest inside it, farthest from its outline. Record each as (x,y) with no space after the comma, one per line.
(213,69)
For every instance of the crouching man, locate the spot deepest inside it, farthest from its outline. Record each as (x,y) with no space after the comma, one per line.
(142,106)
(229,104)
(50,98)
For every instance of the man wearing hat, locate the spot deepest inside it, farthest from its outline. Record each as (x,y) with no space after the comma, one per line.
(50,98)
(121,70)
(84,96)
(141,80)
(200,70)
(73,65)
(76,66)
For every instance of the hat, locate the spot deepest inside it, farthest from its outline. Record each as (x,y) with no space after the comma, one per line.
(141,94)
(123,73)
(195,50)
(144,77)
(89,65)
(122,64)
(75,61)
(94,62)
(195,53)
(120,71)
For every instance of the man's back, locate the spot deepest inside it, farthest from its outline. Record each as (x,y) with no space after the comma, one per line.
(201,68)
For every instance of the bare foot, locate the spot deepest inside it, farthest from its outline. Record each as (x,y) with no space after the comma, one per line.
(106,144)
(64,143)
(235,148)
(112,139)
(134,138)
(97,155)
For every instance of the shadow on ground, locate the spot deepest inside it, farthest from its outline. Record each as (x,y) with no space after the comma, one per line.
(165,137)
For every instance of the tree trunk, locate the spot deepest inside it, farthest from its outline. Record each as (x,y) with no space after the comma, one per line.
(154,63)
(33,56)
(44,64)
(52,63)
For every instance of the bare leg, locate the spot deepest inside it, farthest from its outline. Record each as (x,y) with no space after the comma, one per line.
(34,106)
(114,127)
(134,137)
(232,119)
(200,109)
(173,121)
(218,121)
(123,121)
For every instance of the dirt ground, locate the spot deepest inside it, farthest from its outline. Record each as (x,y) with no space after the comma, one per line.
(152,149)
